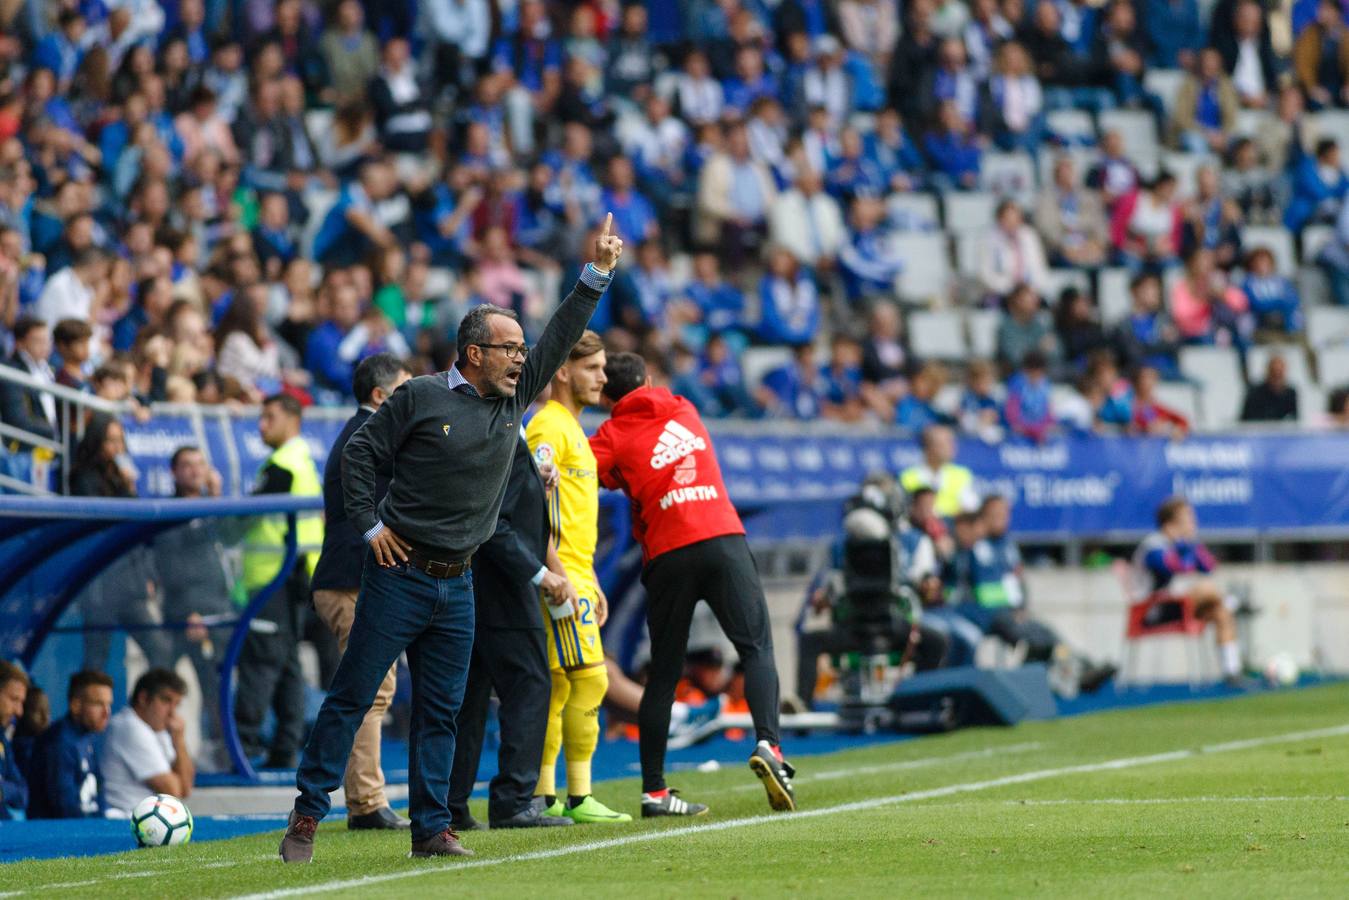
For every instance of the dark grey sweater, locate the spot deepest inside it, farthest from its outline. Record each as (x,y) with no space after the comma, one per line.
(451,451)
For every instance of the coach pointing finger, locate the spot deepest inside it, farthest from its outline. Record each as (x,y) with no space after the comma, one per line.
(451,438)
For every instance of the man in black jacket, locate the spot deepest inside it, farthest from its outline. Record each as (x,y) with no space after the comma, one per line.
(509,655)
(336,581)
(451,437)
(26,408)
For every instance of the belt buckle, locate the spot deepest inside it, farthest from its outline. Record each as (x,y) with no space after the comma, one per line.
(437,569)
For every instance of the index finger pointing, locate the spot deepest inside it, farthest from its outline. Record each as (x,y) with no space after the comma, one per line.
(608,221)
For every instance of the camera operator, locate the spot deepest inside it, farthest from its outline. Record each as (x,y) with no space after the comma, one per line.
(873,589)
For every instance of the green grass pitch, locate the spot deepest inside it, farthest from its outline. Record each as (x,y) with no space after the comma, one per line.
(1241,798)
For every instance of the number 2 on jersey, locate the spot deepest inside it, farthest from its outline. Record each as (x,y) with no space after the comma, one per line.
(585,611)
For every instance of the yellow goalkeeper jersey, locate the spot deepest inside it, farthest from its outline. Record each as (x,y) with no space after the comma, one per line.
(556,436)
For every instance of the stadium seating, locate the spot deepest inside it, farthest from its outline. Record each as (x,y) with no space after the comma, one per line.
(1113,298)
(983,326)
(941,334)
(1333,364)
(1299,373)
(1278,240)
(1218,373)
(968,212)
(1138,130)
(927,273)
(1009,175)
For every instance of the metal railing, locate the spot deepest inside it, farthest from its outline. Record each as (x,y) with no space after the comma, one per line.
(72,412)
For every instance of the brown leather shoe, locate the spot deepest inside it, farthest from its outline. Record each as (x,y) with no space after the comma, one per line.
(444,844)
(297,846)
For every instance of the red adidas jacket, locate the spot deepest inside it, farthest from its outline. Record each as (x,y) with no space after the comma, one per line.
(655,449)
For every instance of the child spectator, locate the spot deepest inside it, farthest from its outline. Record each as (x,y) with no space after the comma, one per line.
(868,263)
(918,410)
(1147,335)
(796,390)
(1114,406)
(980,406)
(1029,412)
(1075,322)
(1152,417)
(1273,298)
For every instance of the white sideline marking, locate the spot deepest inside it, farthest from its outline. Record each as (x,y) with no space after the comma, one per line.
(926,762)
(1127,762)
(1159,801)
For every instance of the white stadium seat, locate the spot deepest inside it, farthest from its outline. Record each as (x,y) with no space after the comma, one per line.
(1139,132)
(1328,326)
(1058,279)
(756,362)
(968,211)
(967,254)
(1114,300)
(1330,123)
(1181,397)
(1009,175)
(1250,122)
(1257,358)
(1071,125)
(938,334)
(1186,166)
(1313,286)
(1165,83)
(927,269)
(1218,372)
(913,211)
(1333,364)
(983,327)
(1277,239)
(1311,404)
(1314,238)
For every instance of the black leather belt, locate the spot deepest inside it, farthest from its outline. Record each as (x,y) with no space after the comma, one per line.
(437,568)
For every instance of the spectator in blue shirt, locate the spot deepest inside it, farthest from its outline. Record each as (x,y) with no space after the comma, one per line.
(532,61)
(796,390)
(324,354)
(1274,298)
(634,217)
(61,50)
(721,374)
(918,410)
(352,227)
(868,263)
(954,153)
(842,376)
(854,174)
(1029,413)
(896,153)
(1147,336)
(1174,32)
(720,302)
(273,239)
(1319,186)
(13,784)
(750,83)
(64,781)
(788,300)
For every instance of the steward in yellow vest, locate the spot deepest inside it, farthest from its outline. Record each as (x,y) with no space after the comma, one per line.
(952,484)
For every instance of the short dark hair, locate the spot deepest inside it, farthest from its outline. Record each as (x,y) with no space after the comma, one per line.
(178,454)
(1170,508)
(69,331)
(1035,361)
(1324,146)
(375,371)
(287,402)
(108,372)
(81,681)
(11,672)
(626,373)
(24,324)
(475,329)
(156,681)
(88,256)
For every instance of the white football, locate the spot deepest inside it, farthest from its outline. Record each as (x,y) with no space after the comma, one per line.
(1281,670)
(161,820)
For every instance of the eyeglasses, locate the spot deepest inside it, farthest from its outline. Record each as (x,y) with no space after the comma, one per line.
(513,351)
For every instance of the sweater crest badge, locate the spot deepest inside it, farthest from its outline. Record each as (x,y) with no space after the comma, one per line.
(446,429)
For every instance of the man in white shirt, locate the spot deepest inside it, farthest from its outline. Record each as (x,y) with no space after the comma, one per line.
(143,751)
(71,292)
(1251,69)
(807,221)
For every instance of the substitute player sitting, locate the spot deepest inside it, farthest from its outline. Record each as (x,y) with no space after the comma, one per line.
(575,655)
(1171,567)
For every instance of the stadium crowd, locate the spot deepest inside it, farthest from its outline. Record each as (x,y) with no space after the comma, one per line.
(208,201)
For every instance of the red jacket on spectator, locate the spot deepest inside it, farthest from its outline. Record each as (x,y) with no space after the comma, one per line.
(656,450)
(1121,235)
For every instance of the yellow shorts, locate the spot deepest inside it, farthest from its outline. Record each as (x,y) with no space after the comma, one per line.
(574,642)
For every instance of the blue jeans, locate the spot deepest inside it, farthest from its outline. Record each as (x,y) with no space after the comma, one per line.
(962,635)
(398,609)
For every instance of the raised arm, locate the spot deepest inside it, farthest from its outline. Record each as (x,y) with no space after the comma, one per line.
(572,316)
